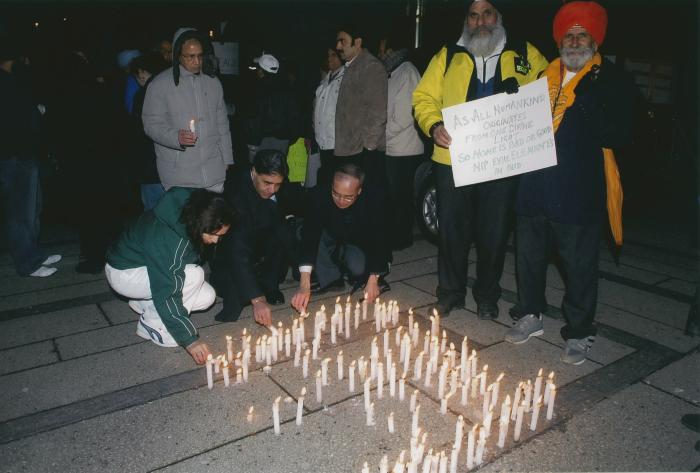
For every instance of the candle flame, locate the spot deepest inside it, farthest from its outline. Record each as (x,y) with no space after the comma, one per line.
(435,312)
(485,368)
(251,409)
(337,300)
(500,377)
(507,401)
(228,338)
(303,391)
(410,311)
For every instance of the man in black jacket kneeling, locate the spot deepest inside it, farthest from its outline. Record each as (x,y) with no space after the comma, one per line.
(248,263)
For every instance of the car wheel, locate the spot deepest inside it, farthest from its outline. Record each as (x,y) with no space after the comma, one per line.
(426,209)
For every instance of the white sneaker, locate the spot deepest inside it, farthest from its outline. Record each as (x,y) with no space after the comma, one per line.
(136,307)
(155,331)
(52,259)
(43,272)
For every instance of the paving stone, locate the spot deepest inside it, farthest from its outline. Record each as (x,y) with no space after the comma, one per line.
(426,283)
(410,270)
(636,274)
(680,378)
(34,328)
(659,266)
(659,308)
(45,387)
(27,356)
(637,429)
(420,249)
(64,277)
(98,341)
(53,294)
(153,434)
(331,440)
(677,285)
(484,332)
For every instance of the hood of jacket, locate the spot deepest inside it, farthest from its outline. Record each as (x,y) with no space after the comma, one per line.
(170,207)
(209,60)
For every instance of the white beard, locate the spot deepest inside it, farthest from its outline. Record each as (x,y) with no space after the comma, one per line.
(575,58)
(484,44)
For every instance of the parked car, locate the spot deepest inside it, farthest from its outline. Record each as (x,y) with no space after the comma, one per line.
(425,198)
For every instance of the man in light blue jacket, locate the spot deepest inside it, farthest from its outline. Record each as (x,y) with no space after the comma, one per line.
(185,115)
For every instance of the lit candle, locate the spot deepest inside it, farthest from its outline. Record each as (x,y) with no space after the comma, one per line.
(276,415)
(519,421)
(386,341)
(390,422)
(443,404)
(244,368)
(398,339)
(402,387)
(314,346)
(287,343)
(459,432)
(547,387)
(384,465)
(487,402)
(454,458)
(416,334)
(258,351)
(482,383)
(364,307)
(251,411)
(272,344)
(229,347)
(370,415)
(210,374)
(339,360)
(426,342)
(528,395)
(474,358)
(407,353)
(362,368)
(380,380)
(365,468)
(280,336)
(463,358)
(392,380)
(516,400)
(217,364)
(538,386)
(268,350)
(418,367)
(470,447)
(297,355)
(389,360)
(481,444)
(496,389)
(239,375)
(300,405)
(428,374)
(351,376)
(410,321)
(535,413)
(226,378)
(412,402)
(319,388)
(192,129)
(453,380)
(502,432)
(487,421)
(324,371)
(550,406)
(441,381)
(465,392)
(414,420)
(443,343)
(334,322)
(305,364)
(367,399)
(357,315)
(347,319)
(505,409)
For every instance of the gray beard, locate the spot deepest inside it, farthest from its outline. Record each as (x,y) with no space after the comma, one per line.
(483,45)
(574,62)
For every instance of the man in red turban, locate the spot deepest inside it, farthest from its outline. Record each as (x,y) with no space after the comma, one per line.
(563,207)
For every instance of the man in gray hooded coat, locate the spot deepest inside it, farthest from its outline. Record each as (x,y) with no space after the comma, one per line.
(185,115)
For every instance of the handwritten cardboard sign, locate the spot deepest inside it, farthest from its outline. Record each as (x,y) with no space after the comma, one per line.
(501,135)
(227,54)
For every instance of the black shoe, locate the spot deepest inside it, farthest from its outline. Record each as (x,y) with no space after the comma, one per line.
(444,307)
(226,315)
(691,421)
(90,267)
(274,297)
(487,311)
(337,285)
(360,285)
(383,286)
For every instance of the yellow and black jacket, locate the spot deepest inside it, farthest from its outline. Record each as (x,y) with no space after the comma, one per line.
(450,79)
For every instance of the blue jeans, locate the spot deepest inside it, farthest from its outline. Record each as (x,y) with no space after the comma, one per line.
(21,197)
(151,194)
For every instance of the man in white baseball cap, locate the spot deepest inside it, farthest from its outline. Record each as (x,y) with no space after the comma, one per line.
(267,63)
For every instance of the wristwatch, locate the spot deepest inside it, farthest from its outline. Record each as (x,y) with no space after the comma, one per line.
(435,125)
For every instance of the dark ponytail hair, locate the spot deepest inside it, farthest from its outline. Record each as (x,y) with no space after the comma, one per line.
(205,212)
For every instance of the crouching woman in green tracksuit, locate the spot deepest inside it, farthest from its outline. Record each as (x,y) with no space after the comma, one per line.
(155,264)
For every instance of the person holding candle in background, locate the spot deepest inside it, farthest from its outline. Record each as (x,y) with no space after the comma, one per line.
(184,97)
(344,235)
(563,206)
(155,264)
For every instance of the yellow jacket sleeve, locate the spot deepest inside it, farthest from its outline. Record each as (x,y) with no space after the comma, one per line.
(427,97)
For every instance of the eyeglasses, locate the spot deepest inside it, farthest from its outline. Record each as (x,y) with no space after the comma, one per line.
(192,57)
(343,198)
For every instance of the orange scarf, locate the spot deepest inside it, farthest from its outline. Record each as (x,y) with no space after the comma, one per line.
(562,98)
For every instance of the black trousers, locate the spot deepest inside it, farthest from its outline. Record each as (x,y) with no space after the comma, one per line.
(479,213)
(577,247)
(270,260)
(400,171)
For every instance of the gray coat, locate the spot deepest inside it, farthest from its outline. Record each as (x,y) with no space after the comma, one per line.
(169,108)
(360,114)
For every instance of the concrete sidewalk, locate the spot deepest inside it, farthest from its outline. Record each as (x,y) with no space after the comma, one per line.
(81,392)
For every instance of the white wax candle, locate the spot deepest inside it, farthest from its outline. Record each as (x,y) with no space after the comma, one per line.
(550,406)
(428,461)
(365,468)
(538,386)
(410,321)
(397,337)
(412,403)
(528,395)
(414,420)
(459,432)
(441,381)
(390,422)
(389,360)
(480,446)
(487,421)
(229,347)
(518,421)
(268,351)
(210,374)
(443,406)
(192,128)
(305,364)
(516,401)
(239,375)
(402,388)
(416,334)
(384,465)
(487,402)
(226,378)
(334,319)
(367,399)
(426,342)
(453,380)
(364,307)
(370,415)
(463,358)
(319,388)
(258,351)
(314,346)
(324,371)
(357,316)
(339,361)
(465,392)
(244,369)
(548,387)
(474,360)
(273,342)
(496,389)
(297,355)
(217,364)
(386,342)
(380,380)
(505,409)
(454,459)
(428,374)
(287,343)
(351,376)
(443,342)
(347,321)
(418,367)
(470,447)
(276,415)
(362,368)
(280,336)
(502,432)
(535,413)
(300,406)
(407,354)
(392,380)
(482,383)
